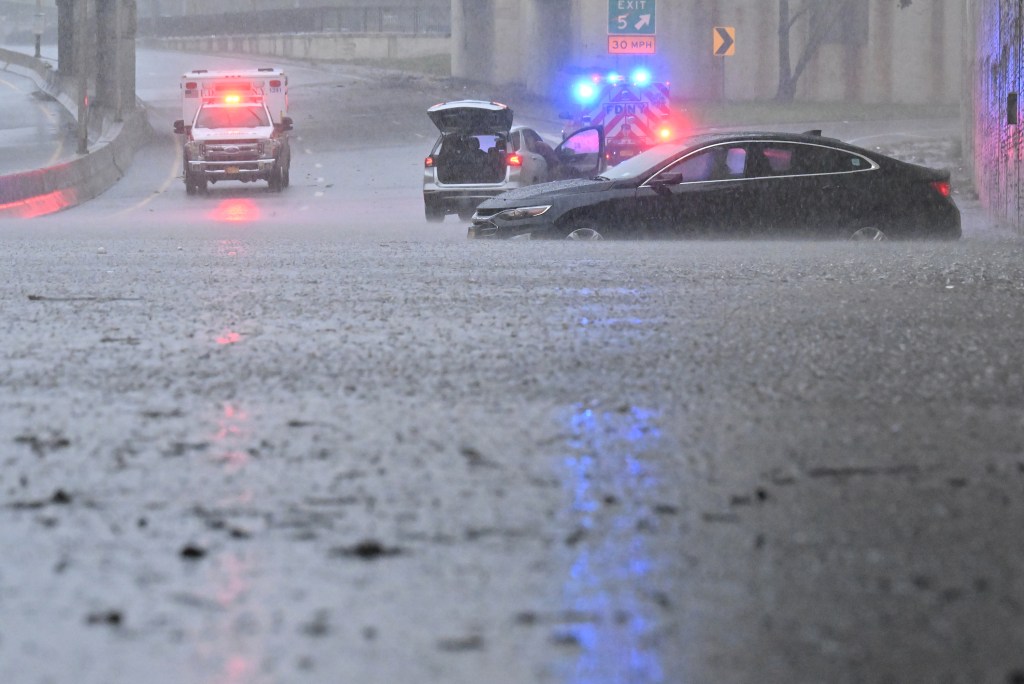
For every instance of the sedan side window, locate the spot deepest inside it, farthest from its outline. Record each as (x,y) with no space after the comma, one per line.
(715,163)
(780,159)
(812,159)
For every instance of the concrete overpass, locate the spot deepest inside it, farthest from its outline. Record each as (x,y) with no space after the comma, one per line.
(885,54)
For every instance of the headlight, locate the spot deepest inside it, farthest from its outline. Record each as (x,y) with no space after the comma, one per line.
(522,213)
(195,149)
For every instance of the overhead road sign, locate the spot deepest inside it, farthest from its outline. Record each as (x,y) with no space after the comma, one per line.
(723,41)
(631,18)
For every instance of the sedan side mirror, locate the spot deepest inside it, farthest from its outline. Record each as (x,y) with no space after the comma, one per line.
(661,184)
(179,127)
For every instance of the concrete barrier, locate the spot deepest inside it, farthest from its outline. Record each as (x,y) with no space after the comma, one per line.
(50,189)
(328,47)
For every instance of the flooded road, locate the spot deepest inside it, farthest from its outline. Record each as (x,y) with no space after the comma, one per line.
(308,437)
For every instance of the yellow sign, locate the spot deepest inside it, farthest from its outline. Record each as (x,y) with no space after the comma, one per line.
(723,41)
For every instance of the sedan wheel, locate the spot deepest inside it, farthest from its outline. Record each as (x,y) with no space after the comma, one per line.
(584,234)
(869,233)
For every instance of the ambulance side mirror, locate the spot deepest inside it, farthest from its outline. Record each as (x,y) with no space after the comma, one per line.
(179,127)
(286,124)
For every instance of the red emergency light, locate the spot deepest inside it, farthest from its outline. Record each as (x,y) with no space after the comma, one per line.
(514,160)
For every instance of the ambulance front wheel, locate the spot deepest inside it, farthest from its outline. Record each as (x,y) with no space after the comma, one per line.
(194,183)
(276,181)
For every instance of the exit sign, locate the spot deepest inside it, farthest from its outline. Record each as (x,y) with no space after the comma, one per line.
(631,18)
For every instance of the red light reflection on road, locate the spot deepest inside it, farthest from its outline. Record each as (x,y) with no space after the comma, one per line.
(231,431)
(235,660)
(236,210)
(237,670)
(229,337)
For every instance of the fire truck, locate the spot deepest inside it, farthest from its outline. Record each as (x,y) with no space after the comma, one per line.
(235,126)
(633,109)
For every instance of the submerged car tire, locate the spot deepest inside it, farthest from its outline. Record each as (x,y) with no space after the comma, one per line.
(869,233)
(585,229)
(466,214)
(434,213)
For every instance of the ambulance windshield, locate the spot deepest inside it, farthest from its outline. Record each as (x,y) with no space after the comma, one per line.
(232,116)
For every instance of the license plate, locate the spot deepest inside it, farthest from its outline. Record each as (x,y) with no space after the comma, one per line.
(232,169)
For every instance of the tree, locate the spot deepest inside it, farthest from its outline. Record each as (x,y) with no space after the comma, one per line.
(824,18)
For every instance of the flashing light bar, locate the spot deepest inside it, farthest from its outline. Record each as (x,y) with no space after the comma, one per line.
(587,89)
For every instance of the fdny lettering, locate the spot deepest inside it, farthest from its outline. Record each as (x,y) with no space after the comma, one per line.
(632,4)
(627,108)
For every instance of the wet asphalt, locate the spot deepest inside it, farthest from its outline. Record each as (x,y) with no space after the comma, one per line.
(294,453)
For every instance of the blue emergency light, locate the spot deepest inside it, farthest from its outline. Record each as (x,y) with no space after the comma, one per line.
(640,77)
(585,91)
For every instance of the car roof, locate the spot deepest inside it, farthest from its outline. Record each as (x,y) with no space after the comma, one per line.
(811,136)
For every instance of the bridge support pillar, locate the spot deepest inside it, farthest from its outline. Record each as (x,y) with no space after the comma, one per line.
(96,47)
(522,42)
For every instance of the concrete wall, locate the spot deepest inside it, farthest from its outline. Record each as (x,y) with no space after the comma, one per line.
(994,59)
(314,46)
(911,55)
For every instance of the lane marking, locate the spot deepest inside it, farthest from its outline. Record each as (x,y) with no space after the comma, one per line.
(172,176)
(58,152)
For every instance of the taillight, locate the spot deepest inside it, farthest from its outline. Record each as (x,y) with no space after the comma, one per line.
(942,187)
(428,163)
(514,160)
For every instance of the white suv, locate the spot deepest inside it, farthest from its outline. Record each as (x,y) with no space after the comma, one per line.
(480,154)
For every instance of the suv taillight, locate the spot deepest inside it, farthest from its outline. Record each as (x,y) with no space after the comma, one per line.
(428,163)
(942,187)
(514,160)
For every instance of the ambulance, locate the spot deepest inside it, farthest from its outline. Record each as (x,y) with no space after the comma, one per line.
(235,127)
(633,110)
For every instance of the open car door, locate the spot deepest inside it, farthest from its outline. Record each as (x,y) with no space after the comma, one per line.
(581,155)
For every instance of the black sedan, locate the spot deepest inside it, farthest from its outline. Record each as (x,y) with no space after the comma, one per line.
(735,185)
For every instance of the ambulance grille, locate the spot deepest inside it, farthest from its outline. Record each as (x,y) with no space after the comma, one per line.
(235,150)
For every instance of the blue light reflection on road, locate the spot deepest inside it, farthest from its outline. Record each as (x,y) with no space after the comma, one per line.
(610,487)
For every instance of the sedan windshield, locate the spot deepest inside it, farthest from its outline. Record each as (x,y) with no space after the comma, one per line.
(250,116)
(647,160)
(651,159)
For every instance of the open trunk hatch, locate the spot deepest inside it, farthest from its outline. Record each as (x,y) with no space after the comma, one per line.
(471,116)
